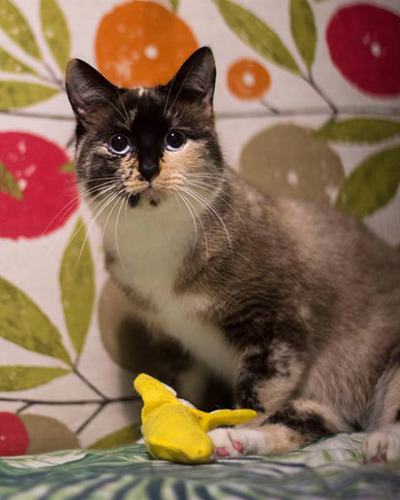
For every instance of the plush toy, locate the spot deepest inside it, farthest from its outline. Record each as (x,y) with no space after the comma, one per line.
(173,429)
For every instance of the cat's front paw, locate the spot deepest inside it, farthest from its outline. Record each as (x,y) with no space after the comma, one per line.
(382,445)
(237,442)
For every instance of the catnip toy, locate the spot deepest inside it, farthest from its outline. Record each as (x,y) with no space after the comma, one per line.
(174,430)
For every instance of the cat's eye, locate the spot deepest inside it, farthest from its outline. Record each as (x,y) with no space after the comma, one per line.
(119,144)
(174,140)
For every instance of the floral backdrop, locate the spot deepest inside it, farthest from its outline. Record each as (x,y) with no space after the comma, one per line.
(307,105)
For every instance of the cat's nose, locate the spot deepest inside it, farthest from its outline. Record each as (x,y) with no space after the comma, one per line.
(149,170)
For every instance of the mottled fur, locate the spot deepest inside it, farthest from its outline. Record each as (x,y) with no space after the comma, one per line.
(295,305)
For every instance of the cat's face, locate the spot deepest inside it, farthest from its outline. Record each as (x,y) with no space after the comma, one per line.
(146,145)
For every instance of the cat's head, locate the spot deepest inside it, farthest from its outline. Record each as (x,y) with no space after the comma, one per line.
(146,145)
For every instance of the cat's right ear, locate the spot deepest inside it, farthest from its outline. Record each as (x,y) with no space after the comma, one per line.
(86,88)
(195,80)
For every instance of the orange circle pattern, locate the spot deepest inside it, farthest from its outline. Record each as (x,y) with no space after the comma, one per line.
(142,43)
(248,79)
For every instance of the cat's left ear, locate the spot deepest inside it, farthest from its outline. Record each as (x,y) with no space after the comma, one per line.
(195,81)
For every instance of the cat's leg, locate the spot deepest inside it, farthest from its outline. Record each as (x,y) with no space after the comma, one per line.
(383,443)
(269,379)
(297,424)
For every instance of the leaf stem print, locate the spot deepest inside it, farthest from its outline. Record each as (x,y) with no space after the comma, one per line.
(309,78)
(90,419)
(88,383)
(20,93)
(70,402)
(41,116)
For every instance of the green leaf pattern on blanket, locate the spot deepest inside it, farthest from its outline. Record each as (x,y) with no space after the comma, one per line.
(332,471)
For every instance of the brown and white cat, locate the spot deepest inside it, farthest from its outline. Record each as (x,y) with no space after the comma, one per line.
(295,305)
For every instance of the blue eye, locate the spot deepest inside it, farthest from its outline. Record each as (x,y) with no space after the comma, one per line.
(175,140)
(119,144)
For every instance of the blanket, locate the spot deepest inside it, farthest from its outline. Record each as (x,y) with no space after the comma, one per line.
(330,468)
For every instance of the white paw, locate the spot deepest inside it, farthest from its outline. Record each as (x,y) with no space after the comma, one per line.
(382,445)
(237,442)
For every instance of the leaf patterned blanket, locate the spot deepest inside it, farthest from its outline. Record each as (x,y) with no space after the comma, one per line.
(328,469)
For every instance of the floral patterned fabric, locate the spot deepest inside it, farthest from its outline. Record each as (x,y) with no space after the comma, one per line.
(307,104)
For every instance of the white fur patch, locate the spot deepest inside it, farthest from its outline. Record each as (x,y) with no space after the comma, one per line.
(149,246)
(382,445)
(238,442)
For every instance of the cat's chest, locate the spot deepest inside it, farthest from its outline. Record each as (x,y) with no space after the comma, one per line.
(149,265)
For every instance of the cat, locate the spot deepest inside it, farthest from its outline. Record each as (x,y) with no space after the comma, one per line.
(294,305)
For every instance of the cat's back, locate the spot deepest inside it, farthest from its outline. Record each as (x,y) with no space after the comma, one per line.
(339,247)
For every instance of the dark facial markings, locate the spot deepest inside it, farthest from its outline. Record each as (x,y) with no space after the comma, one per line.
(129,137)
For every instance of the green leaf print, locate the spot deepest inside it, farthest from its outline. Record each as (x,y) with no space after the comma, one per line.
(127,435)
(9,184)
(372,184)
(15,95)
(10,64)
(55,30)
(361,130)
(24,323)
(18,378)
(77,285)
(304,30)
(255,33)
(175,5)
(15,25)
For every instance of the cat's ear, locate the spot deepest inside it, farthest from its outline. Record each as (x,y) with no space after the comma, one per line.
(196,78)
(86,88)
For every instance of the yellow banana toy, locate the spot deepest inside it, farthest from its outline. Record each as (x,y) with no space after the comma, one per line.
(174,431)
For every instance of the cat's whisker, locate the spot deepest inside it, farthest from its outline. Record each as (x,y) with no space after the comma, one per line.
(123,105)
(126,210)
(109,199)
(185,201)
(114,106)
(201,224)
(205,187)
(64,209)
(169,94)
(123,202)
(203,175)
(202,200)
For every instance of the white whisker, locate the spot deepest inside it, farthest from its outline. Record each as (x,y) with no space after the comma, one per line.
(191,213)
(202,200)
(109,199)
(123,201)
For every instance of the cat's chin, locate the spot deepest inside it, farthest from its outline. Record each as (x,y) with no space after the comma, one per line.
(148,198)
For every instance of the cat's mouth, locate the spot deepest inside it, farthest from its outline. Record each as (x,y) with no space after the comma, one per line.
(148,195)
